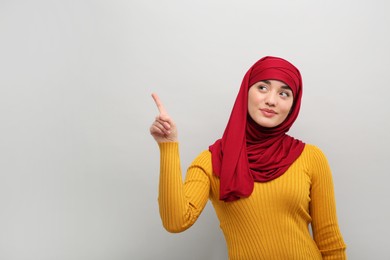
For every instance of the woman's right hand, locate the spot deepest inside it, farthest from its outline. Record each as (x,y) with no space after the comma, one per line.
(163,128)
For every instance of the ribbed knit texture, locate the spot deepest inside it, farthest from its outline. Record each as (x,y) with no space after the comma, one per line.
(270,224)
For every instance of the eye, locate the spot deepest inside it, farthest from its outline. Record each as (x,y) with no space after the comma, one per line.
(285,94)
(262,88)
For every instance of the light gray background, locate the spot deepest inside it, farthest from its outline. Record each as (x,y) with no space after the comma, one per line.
(78,167)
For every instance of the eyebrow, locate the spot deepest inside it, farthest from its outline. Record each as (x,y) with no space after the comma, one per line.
(283,87)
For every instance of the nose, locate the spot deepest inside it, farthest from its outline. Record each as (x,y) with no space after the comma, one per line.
(270,99)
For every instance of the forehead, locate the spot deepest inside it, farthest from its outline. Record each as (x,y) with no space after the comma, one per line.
(275,83)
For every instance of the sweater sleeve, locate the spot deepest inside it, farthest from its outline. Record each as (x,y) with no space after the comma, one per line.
(180,203)
(325,227)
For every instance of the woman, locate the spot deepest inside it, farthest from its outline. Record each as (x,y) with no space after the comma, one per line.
(266,186)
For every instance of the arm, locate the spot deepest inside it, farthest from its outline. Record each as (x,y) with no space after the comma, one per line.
(180,204)
(325,227)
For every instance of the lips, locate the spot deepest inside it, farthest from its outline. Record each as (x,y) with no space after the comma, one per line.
(268,112)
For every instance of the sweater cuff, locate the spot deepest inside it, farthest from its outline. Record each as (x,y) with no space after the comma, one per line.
(168,147)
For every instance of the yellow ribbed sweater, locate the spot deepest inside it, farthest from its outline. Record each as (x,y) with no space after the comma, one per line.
(270,224)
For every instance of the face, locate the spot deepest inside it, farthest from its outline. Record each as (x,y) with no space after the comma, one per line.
(269,102)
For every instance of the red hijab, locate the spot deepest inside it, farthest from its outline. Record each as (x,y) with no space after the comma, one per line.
(248,152)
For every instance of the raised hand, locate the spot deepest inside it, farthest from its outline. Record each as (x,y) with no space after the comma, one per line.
(163,128)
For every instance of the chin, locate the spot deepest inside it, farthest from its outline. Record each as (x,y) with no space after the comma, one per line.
(267,124)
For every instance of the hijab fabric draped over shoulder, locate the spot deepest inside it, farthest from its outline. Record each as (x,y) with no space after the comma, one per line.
(248,152)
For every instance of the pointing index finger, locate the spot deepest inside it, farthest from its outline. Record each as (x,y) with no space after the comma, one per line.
(159,104)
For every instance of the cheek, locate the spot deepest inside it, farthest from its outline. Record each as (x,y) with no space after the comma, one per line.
(251,99)
(287,108)
(251,106)
(254,98)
